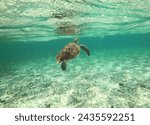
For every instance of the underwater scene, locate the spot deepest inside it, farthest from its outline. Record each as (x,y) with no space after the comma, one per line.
(75,54)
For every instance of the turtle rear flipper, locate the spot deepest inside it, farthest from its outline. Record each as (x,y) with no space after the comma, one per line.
(63,65)
(85,49)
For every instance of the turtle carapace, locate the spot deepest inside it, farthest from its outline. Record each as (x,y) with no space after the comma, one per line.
(70,51)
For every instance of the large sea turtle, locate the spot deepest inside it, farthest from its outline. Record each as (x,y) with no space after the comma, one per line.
(70,51)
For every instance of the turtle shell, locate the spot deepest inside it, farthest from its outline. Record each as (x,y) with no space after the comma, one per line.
(70,51)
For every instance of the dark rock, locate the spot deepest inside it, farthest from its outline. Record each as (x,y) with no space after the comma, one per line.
(121,84)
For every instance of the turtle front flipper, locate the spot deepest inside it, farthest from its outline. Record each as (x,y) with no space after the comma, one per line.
(85,49)
(63,65)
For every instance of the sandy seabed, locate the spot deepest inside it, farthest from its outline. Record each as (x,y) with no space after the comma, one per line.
(107,79)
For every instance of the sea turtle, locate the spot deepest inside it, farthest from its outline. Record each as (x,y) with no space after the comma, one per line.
(70,51)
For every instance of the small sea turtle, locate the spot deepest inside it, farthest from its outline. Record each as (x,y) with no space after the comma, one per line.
(70,51)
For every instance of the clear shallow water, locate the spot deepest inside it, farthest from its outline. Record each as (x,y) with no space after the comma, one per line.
(117,74)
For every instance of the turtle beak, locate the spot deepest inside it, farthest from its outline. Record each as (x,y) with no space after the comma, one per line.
(76,40)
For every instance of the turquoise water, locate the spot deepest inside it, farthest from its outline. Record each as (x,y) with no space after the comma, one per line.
(117,33)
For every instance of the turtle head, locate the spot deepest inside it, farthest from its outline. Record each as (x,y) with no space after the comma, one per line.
(76,40)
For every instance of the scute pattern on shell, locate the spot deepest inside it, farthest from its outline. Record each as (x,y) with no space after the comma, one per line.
(70,51)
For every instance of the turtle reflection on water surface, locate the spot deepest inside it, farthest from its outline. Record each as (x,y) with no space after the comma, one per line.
(70,51)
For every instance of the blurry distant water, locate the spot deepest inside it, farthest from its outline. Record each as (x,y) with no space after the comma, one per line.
(117,33)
